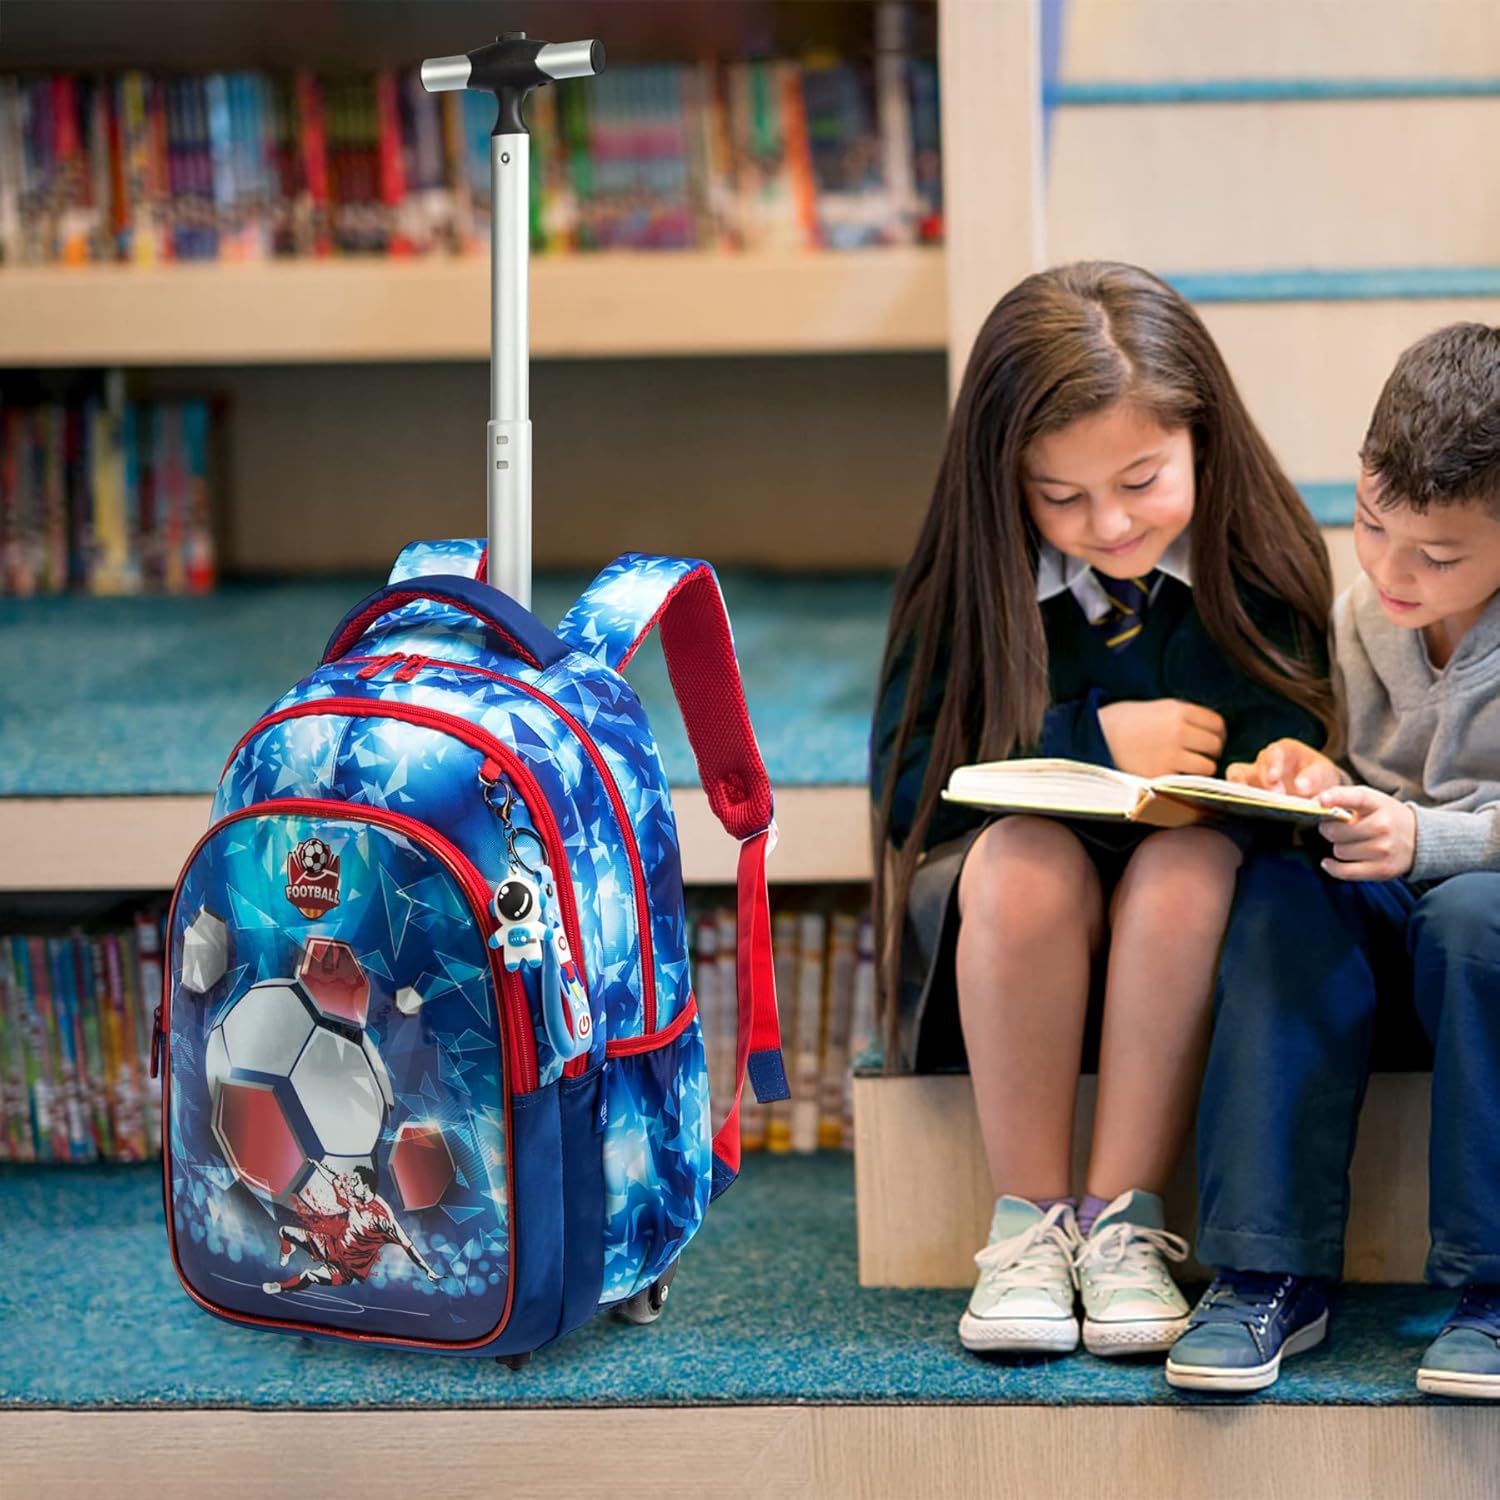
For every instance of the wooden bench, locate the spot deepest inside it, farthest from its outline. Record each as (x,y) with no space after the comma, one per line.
(923,1192)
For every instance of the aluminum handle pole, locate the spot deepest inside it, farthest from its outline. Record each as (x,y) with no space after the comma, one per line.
(509,430)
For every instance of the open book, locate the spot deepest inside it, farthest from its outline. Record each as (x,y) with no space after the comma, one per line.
(1076,789)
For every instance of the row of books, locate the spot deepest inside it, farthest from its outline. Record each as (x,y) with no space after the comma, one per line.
(247,166)
(825,986)
(102,497)
(76,1016)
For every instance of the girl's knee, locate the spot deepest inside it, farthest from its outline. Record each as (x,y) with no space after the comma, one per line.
(1034,861)
(1190,851)
(1182,870)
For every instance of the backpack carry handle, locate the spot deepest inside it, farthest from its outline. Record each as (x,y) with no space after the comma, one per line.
(509,68)
(523,633)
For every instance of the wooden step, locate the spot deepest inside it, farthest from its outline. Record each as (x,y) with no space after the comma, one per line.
(1310,371)
(1252,186)
(1243,1452)
(923,1194)
(1150,40)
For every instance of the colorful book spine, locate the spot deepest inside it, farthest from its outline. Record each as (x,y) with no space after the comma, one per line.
(812,937)
(12,225)
(126,1124)
(835,1054)
(44,1093)
(95,1070)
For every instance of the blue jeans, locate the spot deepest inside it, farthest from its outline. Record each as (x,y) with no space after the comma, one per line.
(1307,961)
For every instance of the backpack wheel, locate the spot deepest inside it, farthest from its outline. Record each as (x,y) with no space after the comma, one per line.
(513,1361)
(647,1304)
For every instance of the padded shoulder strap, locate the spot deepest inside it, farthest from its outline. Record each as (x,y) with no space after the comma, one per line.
(633,595)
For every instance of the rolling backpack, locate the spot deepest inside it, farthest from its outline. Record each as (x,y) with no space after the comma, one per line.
(433,1069)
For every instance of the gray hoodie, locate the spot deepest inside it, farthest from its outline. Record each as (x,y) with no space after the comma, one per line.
(1430,737)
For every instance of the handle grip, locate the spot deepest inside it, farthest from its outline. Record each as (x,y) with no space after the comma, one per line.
(522,631)
(512,62)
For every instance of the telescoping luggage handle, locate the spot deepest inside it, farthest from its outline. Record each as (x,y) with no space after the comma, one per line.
(509,68)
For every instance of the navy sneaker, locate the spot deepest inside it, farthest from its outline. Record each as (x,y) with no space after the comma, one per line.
(1464,1359)
(1245,1324)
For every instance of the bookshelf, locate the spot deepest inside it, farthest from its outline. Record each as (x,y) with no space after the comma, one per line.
(139,843)
(623,303)
(865,330)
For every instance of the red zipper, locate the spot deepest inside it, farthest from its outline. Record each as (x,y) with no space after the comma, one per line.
(477,891)
(374,664)
(477,739)
(408,671)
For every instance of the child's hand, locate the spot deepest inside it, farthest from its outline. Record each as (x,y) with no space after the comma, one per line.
(1288,766)
(1381,842)
(1163,736)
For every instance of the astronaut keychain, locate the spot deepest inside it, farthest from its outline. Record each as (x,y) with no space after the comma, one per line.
(530,935)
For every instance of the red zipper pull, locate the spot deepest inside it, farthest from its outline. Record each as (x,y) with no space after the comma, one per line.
(378,664)
(157,1039)
(414,664)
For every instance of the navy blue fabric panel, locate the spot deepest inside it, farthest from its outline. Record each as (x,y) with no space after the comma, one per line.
(536,1222)
(583,1198)
(508,617)
(723,1176)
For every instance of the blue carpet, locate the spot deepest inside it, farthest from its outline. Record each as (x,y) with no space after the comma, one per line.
(136,696)
(764,1311)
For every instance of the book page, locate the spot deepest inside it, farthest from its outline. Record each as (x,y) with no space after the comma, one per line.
(1047,785)
(1249,800)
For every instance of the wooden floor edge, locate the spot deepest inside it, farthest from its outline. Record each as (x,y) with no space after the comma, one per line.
(1224,1451)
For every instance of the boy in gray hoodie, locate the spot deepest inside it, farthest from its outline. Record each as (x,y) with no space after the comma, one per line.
(1403,910)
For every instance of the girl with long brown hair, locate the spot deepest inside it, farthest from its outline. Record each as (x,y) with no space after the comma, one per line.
(1115,569)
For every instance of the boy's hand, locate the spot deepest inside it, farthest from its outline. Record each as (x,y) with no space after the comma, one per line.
(1163,736)
(1380,844)
(1288,766)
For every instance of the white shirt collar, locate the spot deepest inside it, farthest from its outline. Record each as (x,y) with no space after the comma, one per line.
(1057,572)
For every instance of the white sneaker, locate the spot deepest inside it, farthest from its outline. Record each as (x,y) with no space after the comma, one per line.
(1131,1305)
(1024,1299)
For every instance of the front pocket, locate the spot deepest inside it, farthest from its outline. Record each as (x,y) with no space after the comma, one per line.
(337,1105)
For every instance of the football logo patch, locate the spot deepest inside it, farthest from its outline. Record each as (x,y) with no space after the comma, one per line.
(312,878)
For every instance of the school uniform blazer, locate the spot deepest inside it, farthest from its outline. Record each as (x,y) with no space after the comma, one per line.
(1173,657)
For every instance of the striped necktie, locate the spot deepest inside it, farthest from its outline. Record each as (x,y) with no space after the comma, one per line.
(1128,598)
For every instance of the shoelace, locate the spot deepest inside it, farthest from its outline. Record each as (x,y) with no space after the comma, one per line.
(1478,1308)
(1122,1254)
(1030,1258)
(1248,1297)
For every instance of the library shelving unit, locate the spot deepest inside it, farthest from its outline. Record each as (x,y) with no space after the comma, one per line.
(787,413)
(299,326)
(623,303)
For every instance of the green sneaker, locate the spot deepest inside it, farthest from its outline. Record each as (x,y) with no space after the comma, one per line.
(1024,1299)
(1131,1305)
